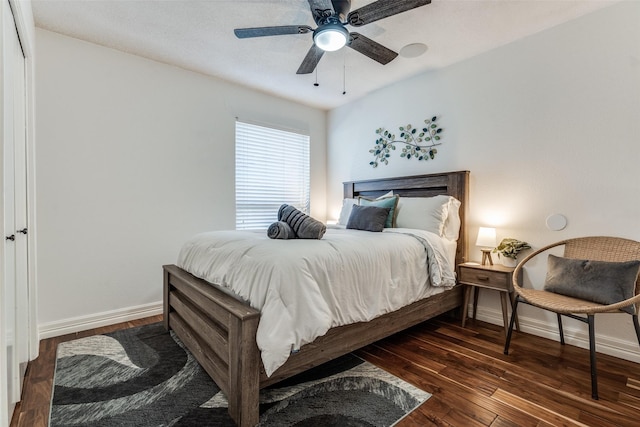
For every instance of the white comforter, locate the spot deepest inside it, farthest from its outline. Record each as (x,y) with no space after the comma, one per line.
(304,287)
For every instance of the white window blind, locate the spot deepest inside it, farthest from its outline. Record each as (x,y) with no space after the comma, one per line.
(272,168)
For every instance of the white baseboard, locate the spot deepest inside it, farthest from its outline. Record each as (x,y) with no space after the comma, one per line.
(77,324)
(623,349)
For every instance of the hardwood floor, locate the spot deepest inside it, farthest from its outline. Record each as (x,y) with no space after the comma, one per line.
(541,383)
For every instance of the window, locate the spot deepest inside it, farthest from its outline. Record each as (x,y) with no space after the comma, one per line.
(272,168)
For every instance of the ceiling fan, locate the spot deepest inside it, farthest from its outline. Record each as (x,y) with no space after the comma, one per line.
(332,16)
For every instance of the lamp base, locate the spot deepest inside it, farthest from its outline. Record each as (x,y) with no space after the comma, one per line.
(486,257)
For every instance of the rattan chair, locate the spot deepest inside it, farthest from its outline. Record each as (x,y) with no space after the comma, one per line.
(586,248)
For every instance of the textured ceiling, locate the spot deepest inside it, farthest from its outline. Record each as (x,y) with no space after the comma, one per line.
(198,36)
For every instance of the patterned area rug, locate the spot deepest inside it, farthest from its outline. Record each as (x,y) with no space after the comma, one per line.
(145,377)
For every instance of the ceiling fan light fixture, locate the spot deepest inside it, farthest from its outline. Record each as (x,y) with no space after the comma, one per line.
(331,37)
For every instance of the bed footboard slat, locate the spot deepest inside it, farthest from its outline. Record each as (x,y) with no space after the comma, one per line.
(213,333)
(214,366)
(212,309)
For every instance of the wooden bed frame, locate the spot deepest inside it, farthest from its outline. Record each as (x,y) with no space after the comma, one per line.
(220,330)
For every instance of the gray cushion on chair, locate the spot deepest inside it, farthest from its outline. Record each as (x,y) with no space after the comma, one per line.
(598,281)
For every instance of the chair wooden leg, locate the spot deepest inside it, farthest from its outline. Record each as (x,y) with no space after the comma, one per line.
(637,326)
(511,323)
(592,350)
(560,328)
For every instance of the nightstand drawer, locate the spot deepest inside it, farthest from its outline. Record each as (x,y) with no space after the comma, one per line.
(490,279)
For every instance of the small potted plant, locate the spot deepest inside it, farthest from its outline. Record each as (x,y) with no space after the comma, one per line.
(509,249)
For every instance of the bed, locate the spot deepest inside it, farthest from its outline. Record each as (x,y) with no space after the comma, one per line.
(220,330)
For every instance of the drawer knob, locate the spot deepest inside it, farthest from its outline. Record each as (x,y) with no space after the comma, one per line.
(483,278)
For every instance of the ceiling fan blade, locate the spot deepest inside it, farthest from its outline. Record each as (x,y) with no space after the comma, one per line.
(382,9)
(373,50)
(310,61)
(321,9)
(243,33)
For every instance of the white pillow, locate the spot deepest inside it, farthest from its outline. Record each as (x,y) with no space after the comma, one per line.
(424,213)
(452,223)
(385,196)
(345,212)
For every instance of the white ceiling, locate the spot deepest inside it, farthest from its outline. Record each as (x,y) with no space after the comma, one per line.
(198,35)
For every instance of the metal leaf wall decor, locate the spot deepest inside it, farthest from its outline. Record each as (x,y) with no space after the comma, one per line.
(418,143)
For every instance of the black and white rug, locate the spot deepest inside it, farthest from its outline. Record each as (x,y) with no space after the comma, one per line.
(145,377)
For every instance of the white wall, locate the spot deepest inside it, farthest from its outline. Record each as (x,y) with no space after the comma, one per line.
(134,157)
(548,124)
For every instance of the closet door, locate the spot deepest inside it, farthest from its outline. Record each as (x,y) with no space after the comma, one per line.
(9,258)
(20,209)
(15,320)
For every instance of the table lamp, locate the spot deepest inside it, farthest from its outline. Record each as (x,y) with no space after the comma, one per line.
(487,241)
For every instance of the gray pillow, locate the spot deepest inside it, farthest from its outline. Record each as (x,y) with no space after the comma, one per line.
(368,218)
(598,281)
(386,202)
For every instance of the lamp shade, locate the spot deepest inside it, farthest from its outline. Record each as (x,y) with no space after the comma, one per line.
(486,237)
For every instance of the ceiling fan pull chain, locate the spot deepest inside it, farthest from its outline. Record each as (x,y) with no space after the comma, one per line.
(316,84)
(344,72)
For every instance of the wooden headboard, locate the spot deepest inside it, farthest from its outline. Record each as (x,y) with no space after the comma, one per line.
(454,184)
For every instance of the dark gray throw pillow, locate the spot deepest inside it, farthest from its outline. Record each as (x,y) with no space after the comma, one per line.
(598,281)
(368,218)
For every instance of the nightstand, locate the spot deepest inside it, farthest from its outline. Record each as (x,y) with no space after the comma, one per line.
(495,277)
